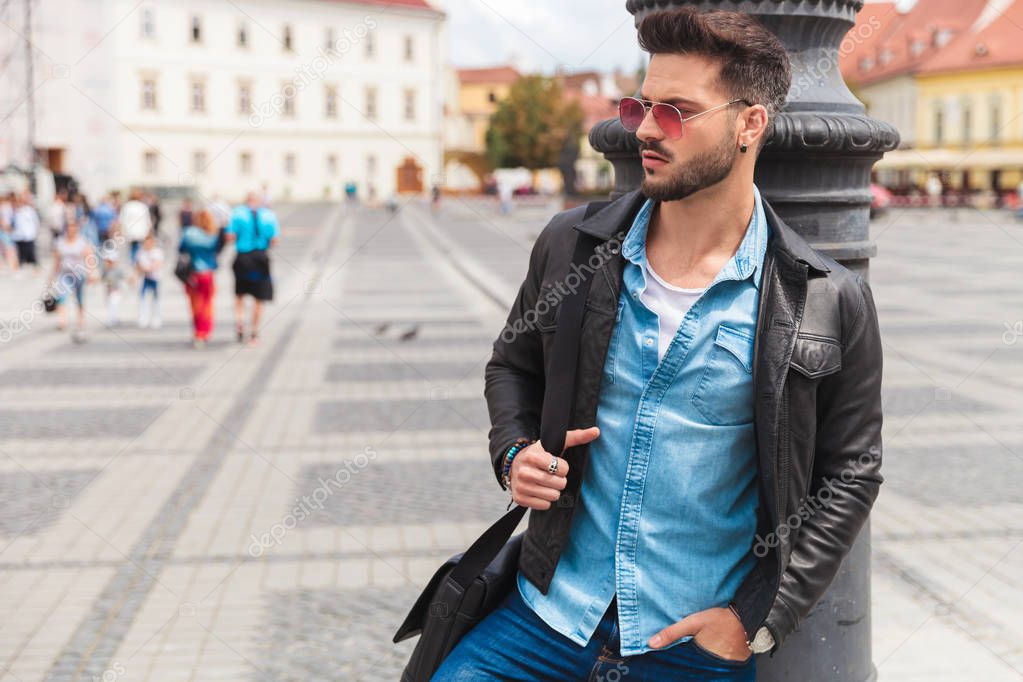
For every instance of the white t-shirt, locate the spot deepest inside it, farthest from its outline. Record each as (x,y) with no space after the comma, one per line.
(26,224)
(135,220)
(150,261)
(671,303)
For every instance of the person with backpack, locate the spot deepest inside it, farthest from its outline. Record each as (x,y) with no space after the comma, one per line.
(253,230)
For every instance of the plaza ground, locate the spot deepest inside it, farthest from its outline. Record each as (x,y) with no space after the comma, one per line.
(271,512)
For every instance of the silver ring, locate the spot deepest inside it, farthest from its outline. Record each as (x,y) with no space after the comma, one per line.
(553,466)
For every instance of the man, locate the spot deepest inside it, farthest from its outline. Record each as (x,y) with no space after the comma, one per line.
(253,230)
(729,382)
(103,215)
(57,215)
(135,222)
(155,212)
(25,229)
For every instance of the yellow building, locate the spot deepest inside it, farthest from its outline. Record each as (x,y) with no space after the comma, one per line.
(472,96)
(949,75)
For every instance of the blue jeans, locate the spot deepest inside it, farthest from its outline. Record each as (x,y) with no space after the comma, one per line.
(513,643)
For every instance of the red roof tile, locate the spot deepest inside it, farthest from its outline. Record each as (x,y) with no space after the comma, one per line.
(999,43)
(915,38)
(493,74)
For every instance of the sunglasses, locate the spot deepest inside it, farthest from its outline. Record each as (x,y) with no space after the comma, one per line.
(632,112)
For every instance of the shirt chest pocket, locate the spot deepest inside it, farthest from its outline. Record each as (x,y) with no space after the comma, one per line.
(724,392)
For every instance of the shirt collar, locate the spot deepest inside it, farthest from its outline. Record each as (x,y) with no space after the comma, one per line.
(748,259)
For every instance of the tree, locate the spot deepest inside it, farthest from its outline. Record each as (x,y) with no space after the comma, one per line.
(533,126)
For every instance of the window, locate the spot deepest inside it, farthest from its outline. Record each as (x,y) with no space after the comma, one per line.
(245,163)
(286,38)
(288,105)
(147,26)
(329,41)
(330,102)
(198,162)
(410,105)
(371,103)
(243,35)
(196,29)
(996,121)
(967,123)
(289,164)
(939,125)
(491,96)
(150,163)
(409,49)
(198,96)
(370,45)
(245,98)
(149,94)
(331,164)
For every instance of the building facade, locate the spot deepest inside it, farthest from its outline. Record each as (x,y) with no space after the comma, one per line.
(949,75)
(297,97)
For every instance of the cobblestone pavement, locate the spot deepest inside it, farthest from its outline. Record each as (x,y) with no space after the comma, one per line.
(271,512)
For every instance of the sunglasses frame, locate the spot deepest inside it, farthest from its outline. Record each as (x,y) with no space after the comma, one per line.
(648,106)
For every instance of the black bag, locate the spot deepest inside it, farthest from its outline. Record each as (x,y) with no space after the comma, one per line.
(184,269)
(470,585)
(49,301)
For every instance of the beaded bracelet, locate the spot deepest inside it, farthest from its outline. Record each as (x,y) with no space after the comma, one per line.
(517,446)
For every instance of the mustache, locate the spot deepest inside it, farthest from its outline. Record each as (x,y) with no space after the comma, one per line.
(654,147)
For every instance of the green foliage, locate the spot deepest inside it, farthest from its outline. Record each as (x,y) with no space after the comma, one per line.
(532,126)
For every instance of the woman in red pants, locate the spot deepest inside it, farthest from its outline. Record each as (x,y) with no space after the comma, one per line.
(202,241)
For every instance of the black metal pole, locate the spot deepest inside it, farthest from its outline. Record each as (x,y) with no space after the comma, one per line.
(815,172)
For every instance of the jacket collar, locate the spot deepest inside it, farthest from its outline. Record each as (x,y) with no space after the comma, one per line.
(621,213)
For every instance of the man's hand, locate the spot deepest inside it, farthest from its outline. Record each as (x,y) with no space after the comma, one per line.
(531,485)
(717,630)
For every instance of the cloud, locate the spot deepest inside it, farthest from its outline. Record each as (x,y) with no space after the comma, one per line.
(539,36)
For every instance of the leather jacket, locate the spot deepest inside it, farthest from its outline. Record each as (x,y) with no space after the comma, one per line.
(817,408)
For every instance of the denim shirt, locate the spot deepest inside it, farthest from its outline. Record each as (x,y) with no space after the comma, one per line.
(666,514)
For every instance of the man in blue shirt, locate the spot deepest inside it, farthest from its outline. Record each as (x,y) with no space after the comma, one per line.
(642,560)
(254,230)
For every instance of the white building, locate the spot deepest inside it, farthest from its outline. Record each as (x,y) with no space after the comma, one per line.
(301,96)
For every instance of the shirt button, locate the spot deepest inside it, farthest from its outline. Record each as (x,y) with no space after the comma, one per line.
(649,342)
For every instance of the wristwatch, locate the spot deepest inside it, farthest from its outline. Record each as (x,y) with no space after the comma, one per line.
(762,642)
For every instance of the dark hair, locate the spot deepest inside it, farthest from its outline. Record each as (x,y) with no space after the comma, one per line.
(754,64)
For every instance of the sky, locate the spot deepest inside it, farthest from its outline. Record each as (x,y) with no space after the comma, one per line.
(539,35)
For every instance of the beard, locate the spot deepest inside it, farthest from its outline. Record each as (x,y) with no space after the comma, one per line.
(703,170)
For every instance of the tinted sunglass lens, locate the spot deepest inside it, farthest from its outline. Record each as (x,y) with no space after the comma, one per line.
(631,113)
(668,119)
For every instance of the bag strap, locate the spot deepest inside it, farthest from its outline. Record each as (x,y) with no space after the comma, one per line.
(559,393)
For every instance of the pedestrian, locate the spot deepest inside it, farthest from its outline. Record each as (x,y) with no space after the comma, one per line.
(149,264)
(57,215)
(722,488)
(221,211)
(135,222)
(25,229)
(8,251)
(104,214)
(73,266)
(935,188)
(113,280)
(185,214)
(253,230)
(202,242)
(155,213)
